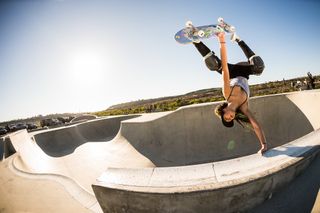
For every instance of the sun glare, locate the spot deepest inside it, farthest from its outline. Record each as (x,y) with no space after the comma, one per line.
(86,67)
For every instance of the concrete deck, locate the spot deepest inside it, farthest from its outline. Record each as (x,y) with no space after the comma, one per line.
(20,193)
(185,159)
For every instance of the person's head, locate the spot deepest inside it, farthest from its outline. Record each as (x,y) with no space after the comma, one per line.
(227,115)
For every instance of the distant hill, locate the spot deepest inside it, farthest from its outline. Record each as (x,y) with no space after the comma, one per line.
(202,96)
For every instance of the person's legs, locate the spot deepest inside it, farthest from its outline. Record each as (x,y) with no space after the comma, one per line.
(202,48)
(214,63)
(256,62)
(243,69)
(246,50)
(254,65)
(211,60)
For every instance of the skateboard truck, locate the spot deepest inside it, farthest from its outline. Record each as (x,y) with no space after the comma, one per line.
(201,33)
(226,27)
(195,31)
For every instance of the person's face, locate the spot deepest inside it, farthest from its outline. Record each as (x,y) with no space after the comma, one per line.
(228,114)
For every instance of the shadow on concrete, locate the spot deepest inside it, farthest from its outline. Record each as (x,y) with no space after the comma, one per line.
(6,148)
(1,148)
(61,142)
(296,197)
(291,151)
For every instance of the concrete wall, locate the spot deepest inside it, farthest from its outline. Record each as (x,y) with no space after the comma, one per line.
(193,134)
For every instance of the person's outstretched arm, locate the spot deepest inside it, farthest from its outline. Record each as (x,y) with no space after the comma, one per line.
(256,127)
(224,64)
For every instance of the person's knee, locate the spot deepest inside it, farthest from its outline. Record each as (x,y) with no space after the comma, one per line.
(212,62)
(258,64)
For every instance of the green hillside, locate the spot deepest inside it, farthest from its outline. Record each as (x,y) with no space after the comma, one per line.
(200,96)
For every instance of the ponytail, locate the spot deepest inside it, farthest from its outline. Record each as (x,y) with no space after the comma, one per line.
(243,120)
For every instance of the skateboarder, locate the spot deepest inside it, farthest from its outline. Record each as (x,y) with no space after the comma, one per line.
(235,89)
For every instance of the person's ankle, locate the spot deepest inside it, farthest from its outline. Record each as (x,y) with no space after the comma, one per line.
(234,37)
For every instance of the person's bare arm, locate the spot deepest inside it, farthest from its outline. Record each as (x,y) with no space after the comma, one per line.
(256,127)
(224,63)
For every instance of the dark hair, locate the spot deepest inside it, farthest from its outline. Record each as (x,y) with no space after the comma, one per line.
(241,118)
(220,113)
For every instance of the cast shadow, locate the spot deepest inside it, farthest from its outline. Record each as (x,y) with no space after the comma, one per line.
(291,151)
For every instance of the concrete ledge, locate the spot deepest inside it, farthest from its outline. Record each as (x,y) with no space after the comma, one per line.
(237,184)
(211,175)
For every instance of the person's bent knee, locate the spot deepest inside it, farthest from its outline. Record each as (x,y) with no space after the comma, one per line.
(258,64)
(212,62)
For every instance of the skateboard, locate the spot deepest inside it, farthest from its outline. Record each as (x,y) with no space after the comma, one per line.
(191,33)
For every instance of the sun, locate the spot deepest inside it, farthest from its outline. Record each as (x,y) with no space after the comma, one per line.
(86,67)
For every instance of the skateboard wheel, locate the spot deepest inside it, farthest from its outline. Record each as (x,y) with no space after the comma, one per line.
(201,33)
(232,29)
(189,24)
(220,20)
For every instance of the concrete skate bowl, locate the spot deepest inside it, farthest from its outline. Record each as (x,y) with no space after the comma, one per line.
(79,152)
(200,166)
(64,141)
(180,161)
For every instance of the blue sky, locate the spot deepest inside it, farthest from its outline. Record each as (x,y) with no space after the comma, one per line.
(75,56)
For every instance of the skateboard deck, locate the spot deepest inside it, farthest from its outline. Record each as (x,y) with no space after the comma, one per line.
(191,34)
